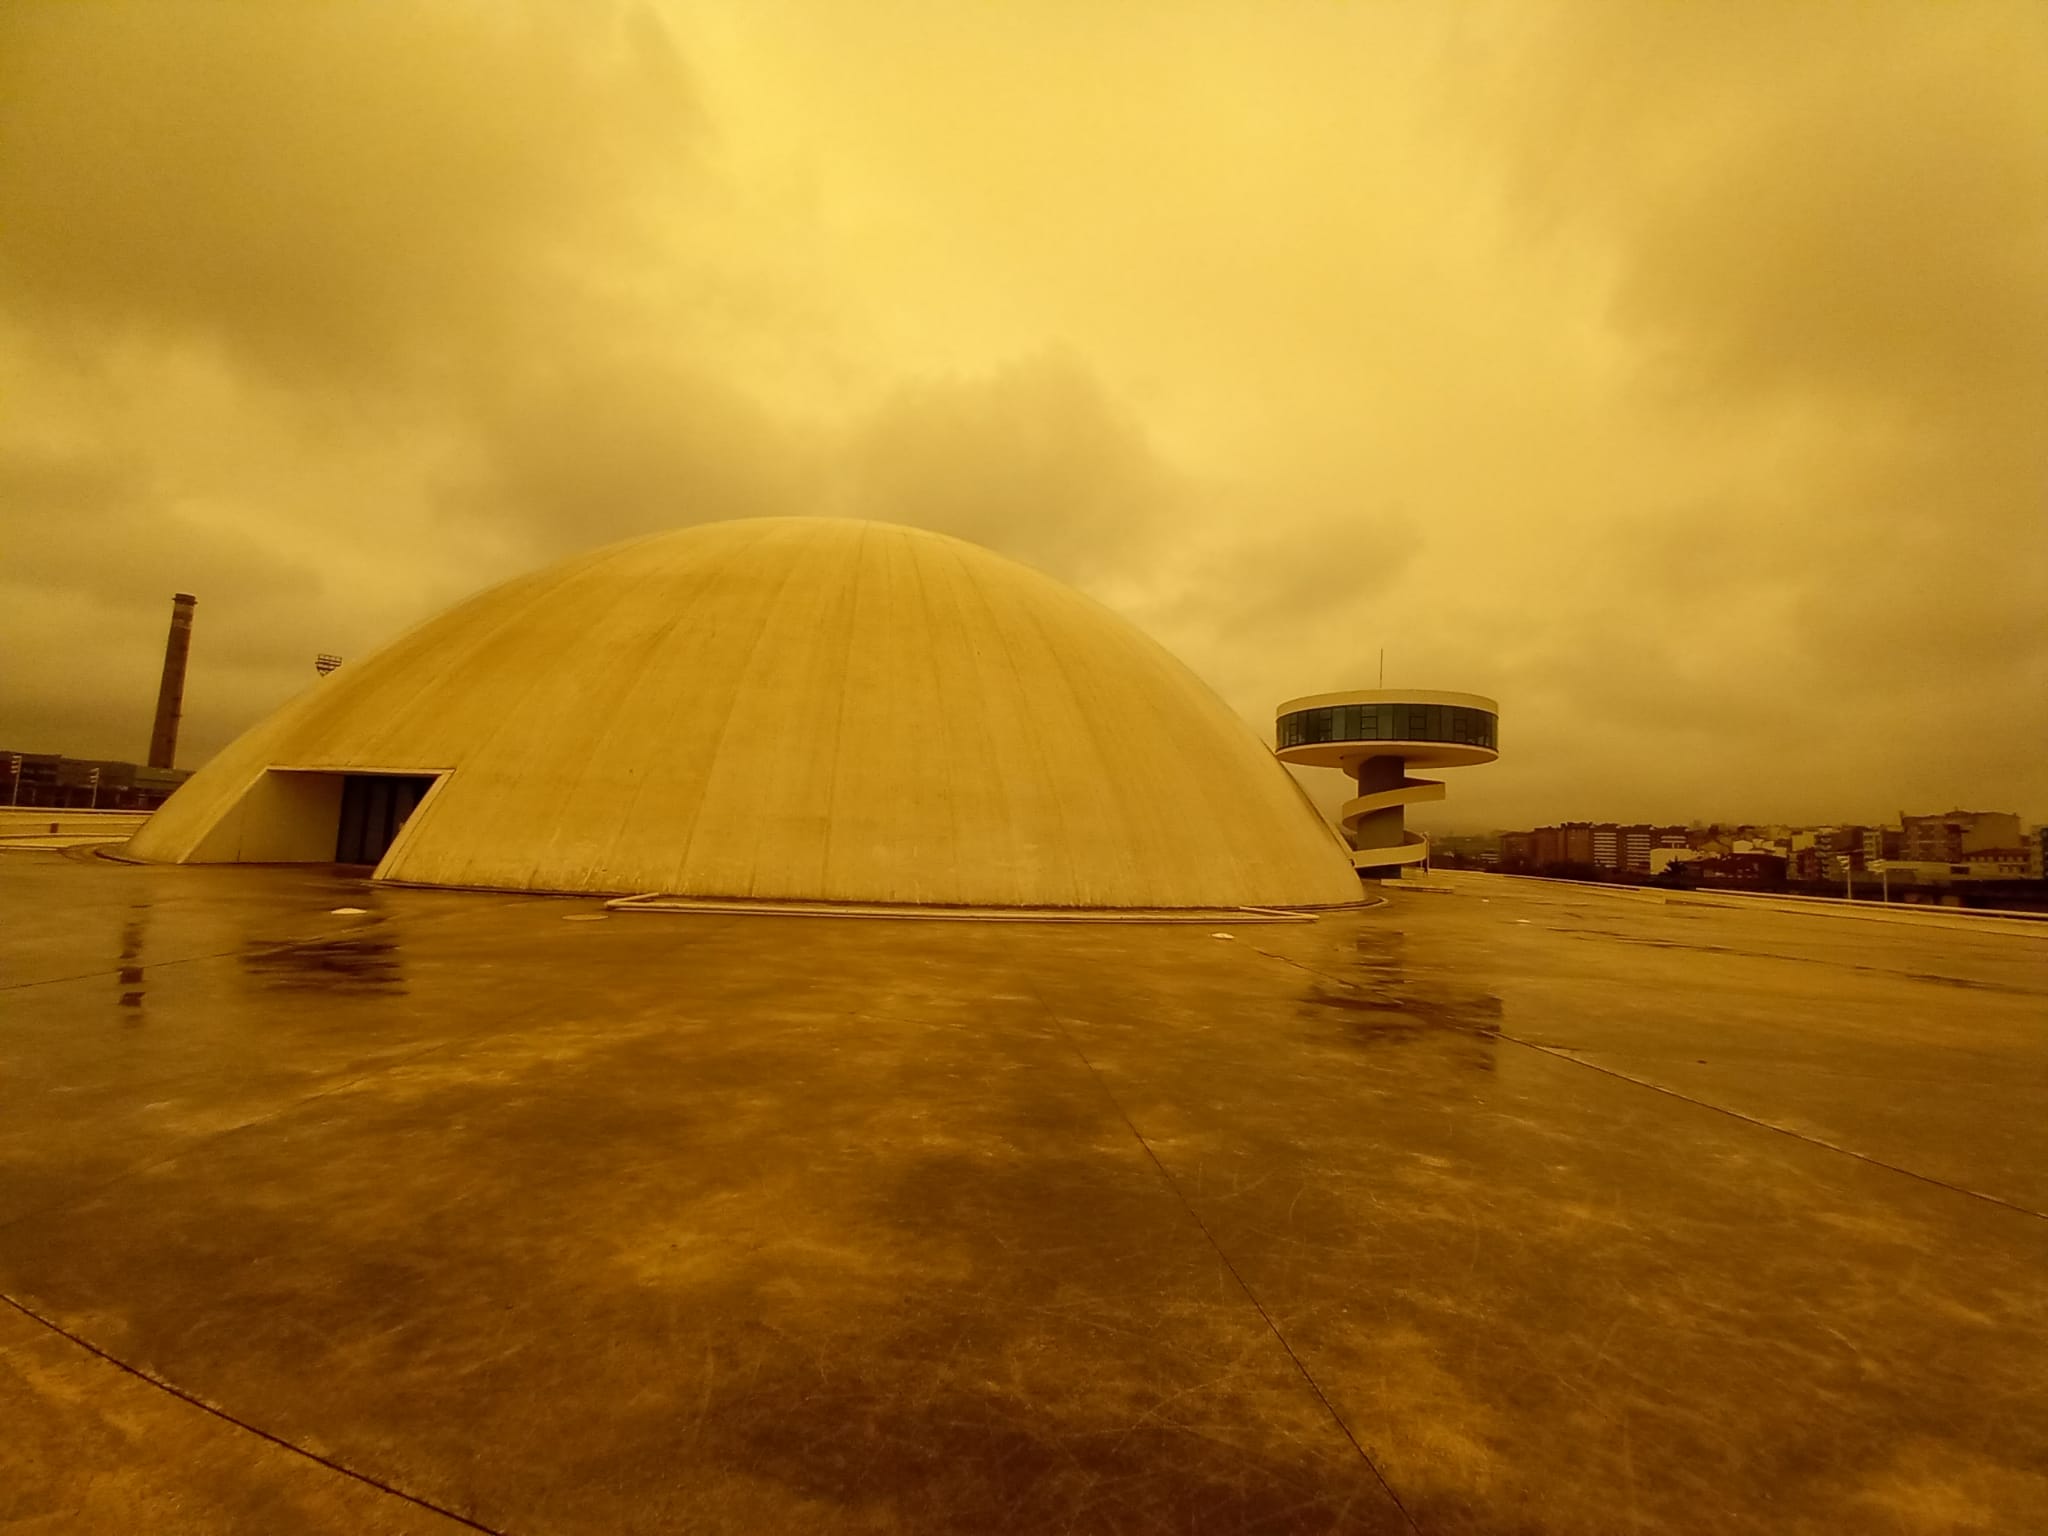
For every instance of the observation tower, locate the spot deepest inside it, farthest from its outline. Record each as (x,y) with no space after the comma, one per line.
(1375,735)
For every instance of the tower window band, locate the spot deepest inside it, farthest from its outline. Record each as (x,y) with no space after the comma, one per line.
(1388,722)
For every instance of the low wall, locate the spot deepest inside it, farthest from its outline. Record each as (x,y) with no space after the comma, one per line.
(52,821)
(1975,919)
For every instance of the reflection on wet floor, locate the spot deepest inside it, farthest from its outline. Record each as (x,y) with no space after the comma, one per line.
(1389,1001)
(364,960)
(130,973)
(734,1226)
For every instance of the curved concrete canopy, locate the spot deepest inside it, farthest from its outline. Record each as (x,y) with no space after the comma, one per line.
(791,708)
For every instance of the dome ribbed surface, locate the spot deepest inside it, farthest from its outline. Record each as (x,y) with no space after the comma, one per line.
(802,709)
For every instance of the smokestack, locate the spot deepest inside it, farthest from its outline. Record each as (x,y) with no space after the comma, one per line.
(170,694)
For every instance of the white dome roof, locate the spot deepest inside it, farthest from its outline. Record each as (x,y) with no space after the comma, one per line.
(794,708)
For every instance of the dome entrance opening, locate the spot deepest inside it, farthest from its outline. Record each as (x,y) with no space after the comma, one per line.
(374,806)
(290,815)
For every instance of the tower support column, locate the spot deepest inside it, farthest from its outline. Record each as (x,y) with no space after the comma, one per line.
(1383,828)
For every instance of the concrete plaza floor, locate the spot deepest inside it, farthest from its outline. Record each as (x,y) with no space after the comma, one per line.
(1502,1208)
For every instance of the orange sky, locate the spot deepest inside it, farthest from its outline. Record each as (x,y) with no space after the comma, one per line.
(1676,374)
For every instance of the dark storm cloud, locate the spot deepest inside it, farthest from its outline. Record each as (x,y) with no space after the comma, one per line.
(248,253)
(335,194)
(465,297)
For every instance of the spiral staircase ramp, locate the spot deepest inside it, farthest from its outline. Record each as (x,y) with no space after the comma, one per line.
(1413,847)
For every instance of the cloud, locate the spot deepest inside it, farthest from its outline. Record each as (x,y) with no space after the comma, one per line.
(335,197)
(1798,204)
(1032,457)
(334,320)
(1673,374)
(1822,243)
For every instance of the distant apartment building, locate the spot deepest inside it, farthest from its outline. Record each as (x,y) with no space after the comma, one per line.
(1744,871)
(1661,859)
(1952,837)
(1634,844)
(1931,839)
(1957,846)
(1543,847)
(1469,849)
(51,781)
(1606,846)
(1999,864)
(1842,848)
(1547,846)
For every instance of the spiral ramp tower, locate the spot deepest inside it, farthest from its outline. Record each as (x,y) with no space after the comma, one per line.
(1375,735)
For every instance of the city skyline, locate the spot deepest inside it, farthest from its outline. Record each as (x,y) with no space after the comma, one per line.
(1704,823)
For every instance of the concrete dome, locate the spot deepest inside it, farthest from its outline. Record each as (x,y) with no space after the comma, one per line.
(793,708)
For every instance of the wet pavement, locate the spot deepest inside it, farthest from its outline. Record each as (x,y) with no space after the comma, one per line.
(1504,1208)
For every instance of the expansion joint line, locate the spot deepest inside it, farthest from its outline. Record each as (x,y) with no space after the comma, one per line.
(150,1378)
(1572,1058)
(1812,1141)
(1243,1285)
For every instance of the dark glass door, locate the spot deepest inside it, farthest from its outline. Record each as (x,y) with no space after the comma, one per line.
(373,807)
